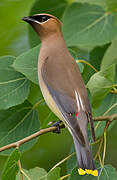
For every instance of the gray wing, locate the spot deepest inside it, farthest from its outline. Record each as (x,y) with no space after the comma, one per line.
(66,107)
(63,92)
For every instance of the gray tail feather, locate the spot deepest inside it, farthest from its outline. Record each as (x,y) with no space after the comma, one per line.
(84,155)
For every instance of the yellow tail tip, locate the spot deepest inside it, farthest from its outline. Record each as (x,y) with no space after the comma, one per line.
(88,171)
(81,171)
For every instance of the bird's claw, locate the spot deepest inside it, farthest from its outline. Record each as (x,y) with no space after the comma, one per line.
(57,125)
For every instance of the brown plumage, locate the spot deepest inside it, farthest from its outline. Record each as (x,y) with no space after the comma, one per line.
(62,85)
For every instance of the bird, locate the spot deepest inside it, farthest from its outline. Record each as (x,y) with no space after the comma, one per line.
(63,88)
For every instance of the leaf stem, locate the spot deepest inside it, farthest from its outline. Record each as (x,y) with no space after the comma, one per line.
(64,160)
(26,175)
(38,103)
(104,153)
(100,161)
(63,177)
(99,149)
(85,62)
(20,168)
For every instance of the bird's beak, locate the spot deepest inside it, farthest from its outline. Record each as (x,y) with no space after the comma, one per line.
(28,19)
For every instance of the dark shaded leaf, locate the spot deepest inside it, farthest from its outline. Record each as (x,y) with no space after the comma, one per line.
(16,123)
(107,107)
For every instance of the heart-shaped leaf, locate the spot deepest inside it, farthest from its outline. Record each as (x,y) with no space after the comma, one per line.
(86,24)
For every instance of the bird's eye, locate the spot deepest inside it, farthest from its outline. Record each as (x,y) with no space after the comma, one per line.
(41,18)
(44,18)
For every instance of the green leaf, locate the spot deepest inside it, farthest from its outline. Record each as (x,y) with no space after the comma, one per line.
(17,123)
(34,174)
(110,56)
(14,87)
(13,34)
(55,8)
(53,174)
(100,84)
(105,173)
(107,107)
(26,63)
(97,2)
(40,174)
(88,25)
(95,57)
(97,54)
(11,166)
(111,5)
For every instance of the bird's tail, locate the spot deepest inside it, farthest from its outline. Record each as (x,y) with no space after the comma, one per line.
(85,159)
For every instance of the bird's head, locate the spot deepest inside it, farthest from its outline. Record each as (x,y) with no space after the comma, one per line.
(44,24)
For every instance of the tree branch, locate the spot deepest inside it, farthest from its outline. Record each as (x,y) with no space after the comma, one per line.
(106,118)
(52,129)
(28,138)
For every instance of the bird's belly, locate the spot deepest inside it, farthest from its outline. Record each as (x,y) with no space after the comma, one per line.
(49,100)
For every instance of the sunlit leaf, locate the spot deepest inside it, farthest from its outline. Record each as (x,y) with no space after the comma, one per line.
(110,56)
(27,64)
(100,84)
(86,24)
(34,174)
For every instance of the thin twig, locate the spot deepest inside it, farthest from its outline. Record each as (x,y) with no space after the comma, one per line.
(63,177)
(100,161)
(20,168)
(85,62)
(51,129)
(26,175)
(99,149)
(104,153)
(106,118)
(28,138)
(63,160)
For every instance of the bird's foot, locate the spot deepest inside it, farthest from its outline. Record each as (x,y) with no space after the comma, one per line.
(57,125)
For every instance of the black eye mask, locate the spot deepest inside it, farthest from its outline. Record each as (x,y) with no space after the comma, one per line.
(41,18)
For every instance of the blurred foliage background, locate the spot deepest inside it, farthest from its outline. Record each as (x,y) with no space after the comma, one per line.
(90,31)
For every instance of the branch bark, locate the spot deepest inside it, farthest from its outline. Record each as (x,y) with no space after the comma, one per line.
(28,138)
(51,129)
(106,118)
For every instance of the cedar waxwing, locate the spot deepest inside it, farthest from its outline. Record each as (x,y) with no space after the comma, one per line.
(63,88)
